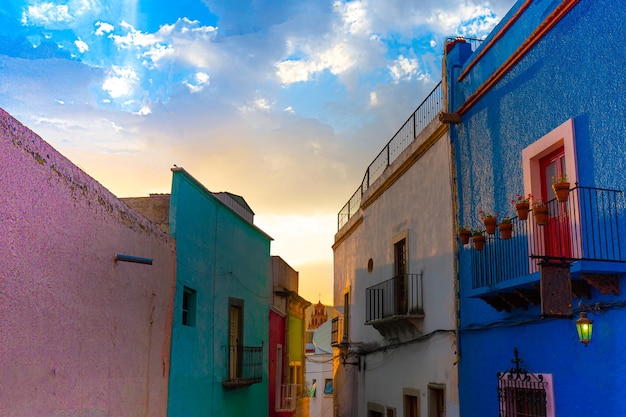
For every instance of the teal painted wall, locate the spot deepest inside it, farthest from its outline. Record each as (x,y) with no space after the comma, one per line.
(219,255)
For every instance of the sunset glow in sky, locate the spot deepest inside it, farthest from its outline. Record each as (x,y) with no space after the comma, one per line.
(282,102)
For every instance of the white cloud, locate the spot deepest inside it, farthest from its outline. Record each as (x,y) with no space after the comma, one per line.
(144,111)
(403,68)
(81,45)
(103,28)
(373,98)
(467,19)
(46,13)
(134,38)
(351,44)
(201,80)
(120,82)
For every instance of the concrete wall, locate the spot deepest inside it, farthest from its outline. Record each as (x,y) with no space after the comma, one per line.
(80,334)
(419,205)
(572,72)
(220,255)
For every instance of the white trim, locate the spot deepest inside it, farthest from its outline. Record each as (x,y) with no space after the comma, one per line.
(561,136)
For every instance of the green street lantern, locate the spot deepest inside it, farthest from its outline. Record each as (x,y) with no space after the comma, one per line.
(584,326)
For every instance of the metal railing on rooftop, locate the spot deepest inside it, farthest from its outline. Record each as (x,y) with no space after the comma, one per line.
(416,123)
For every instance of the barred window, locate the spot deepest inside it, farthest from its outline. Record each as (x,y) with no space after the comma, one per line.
(525,395)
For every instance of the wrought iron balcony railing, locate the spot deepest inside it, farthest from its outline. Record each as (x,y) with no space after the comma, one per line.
(244,366)
(425,113)
(288,397)
(396,297)
(584,228)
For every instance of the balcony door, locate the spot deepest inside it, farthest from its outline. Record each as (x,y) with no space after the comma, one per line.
(399,249)
(235,338)
(557,231)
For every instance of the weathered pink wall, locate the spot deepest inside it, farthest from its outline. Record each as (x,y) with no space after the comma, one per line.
(80,334)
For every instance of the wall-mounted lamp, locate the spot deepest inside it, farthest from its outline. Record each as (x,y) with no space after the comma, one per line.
(344,353)
(584,325)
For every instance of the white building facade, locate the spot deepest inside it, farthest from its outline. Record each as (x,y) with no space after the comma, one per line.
(395,340)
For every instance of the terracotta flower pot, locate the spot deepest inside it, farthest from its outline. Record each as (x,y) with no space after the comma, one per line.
(541,215)
(490,224)
(464,235)
(561,191)
(479,242)
(522,210)
(506,230)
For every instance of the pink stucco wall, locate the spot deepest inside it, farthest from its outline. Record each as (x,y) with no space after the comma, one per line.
(80,334)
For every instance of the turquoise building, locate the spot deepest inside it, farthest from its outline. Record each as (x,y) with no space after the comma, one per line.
(221,310)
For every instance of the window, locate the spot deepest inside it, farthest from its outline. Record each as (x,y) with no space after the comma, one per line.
(436,400)
(296,375)
(328,387)
(400,274)
(235,338)
(375,410)
(346,315)
(411,402)
(525,395)
(189,307)
(391,412)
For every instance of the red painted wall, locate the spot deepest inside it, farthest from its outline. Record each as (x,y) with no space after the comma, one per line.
(277,337)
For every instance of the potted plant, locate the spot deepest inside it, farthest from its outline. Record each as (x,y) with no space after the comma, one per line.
(490,221)
(540,212)
(478,239)
(464,234)
(560,186)
(506,228)
(522,206)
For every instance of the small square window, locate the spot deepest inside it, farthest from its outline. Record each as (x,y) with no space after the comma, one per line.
(189,307)
(328,387)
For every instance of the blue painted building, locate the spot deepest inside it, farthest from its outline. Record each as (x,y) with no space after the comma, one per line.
(220,332)
(541,97)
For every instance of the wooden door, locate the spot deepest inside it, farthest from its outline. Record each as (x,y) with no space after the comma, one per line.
(557,232)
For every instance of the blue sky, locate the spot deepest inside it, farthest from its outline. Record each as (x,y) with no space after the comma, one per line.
(282,102)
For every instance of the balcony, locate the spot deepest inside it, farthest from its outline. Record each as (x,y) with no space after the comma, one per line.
(245,366)
(286,405)
(395,306)
(582,235)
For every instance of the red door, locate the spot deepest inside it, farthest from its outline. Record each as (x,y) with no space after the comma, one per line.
(557,231)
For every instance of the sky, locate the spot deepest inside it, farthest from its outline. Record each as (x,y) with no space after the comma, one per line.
(283,102)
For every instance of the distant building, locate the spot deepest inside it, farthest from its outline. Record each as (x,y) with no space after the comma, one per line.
(287,343)
(86,291)
(318,316)
(319,371)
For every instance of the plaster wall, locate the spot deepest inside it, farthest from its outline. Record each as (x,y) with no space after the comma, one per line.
(80,334)
(419,206)
(320,368)
(563,76)
(220,255)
